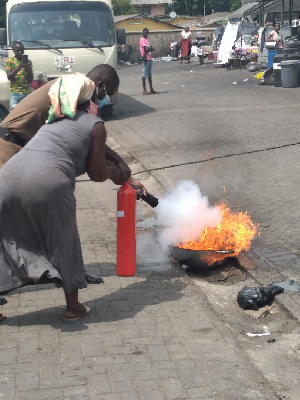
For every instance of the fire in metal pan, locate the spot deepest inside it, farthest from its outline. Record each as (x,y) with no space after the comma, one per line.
(199,258)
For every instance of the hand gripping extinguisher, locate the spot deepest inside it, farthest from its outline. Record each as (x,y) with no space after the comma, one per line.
(126,246)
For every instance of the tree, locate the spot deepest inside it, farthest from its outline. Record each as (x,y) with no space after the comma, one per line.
(235,5)
(196,7)
(122,7)
(2,13)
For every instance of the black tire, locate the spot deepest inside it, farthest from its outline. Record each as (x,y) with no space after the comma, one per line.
(200,37)
(121,36)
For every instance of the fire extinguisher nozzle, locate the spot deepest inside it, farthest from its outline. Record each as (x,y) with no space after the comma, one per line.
(148,198)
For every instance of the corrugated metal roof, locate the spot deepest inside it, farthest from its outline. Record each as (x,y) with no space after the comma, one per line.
(276,6)
(118,18)
(141,19)
(215,17)
(244,10)
(189,23)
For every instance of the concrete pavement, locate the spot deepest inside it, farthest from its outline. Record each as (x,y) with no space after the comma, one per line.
(161,335)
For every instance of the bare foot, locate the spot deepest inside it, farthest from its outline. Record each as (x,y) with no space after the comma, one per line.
(145,92)
(76,314)
(2,317)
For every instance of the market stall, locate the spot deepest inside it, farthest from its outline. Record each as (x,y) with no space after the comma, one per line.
(238,45)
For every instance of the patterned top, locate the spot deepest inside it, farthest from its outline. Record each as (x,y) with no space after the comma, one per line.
(19,84)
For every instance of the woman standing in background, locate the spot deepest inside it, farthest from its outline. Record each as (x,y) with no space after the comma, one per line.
(185,44)
(276,36)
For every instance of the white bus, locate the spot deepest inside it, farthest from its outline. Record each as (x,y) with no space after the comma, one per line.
(59,37)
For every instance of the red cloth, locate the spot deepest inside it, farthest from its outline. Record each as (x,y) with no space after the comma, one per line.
(186,45)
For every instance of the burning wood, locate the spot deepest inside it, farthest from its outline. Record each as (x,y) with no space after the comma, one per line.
(234,233)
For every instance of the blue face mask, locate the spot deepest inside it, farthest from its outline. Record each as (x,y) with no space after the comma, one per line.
(104,101)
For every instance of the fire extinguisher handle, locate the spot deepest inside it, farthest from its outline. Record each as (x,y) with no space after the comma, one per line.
(149,198)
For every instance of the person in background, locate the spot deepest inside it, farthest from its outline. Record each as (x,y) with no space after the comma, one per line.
(37,194)
(185,44)
(19,73)
(41,81)
(174,47)
(145,50)
(2,302)
(276,36)
(298,32)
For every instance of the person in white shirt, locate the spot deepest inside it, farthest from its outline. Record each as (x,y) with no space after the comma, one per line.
(185,44)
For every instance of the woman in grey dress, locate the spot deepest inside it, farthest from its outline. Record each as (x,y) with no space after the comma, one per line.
(38,231)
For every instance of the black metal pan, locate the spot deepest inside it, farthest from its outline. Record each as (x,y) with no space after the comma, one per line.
(199,258)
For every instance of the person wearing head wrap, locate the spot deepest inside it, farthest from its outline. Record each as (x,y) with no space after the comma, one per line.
(23,122)
(66,93)
(39,240)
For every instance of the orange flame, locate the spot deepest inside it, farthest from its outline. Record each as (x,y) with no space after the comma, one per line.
(235,233)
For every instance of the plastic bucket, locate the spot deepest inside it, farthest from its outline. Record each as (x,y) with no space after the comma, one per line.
(289,73)
(271,54)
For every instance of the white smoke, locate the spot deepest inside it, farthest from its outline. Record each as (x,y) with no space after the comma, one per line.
(184,213)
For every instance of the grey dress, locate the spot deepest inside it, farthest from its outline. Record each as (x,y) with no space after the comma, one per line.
(39,239)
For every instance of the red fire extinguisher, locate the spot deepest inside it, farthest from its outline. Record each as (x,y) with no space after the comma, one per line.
(126,246)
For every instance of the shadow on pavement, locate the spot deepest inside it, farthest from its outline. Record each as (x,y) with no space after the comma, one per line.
(91,269)
(122,304)
(129,107)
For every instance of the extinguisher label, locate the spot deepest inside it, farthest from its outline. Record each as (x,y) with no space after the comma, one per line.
(120,214)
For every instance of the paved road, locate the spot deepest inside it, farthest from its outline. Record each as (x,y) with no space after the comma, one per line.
(163,334)
(220,129)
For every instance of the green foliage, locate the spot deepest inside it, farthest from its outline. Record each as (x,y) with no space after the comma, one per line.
(235,5)
(196,7)
(122,7)
(2,13)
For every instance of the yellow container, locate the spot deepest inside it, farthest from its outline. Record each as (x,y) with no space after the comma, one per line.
(259,75)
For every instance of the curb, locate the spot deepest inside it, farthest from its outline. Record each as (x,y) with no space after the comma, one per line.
(263,268)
